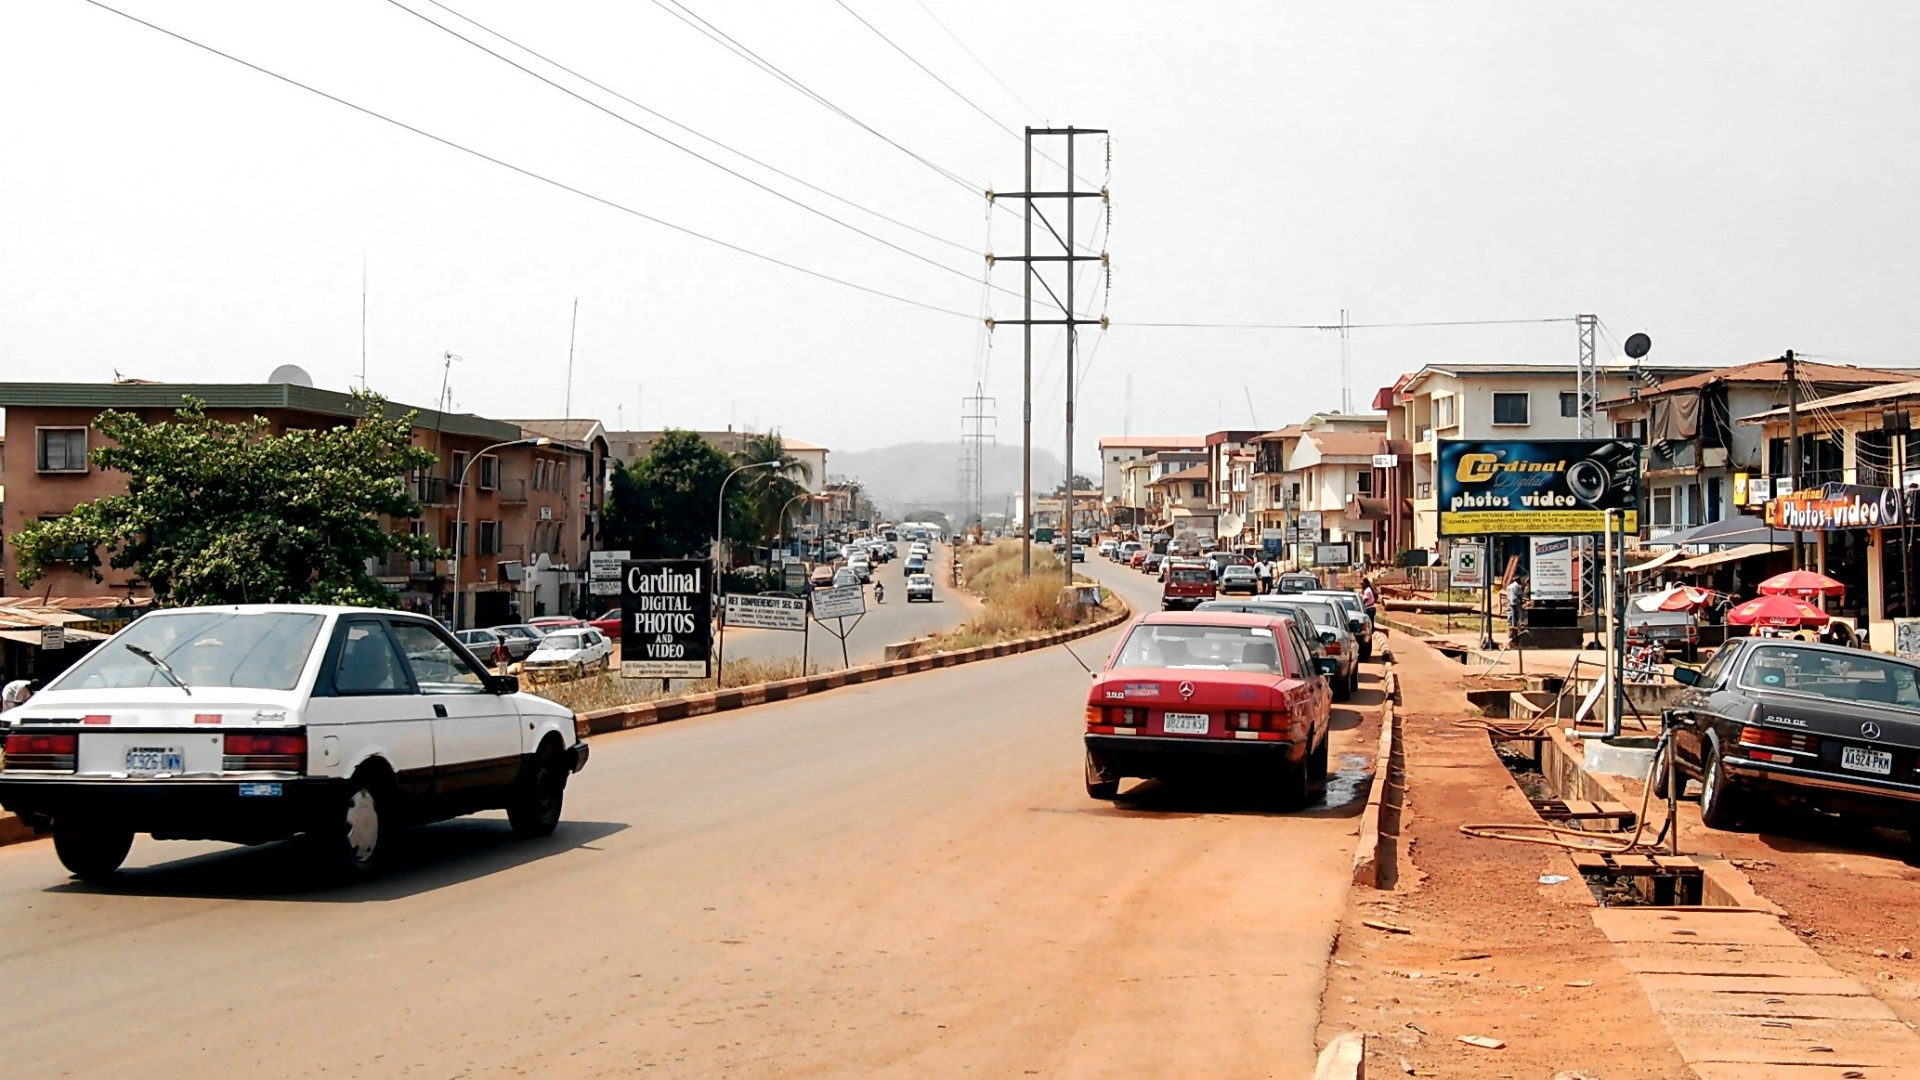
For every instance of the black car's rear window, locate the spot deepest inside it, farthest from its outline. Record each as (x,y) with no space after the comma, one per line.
(1851,676)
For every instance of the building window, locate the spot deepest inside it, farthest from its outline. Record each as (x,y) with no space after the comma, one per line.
(61,450)
(72,553)
(489,538)
(459,475)
(1443,411)
(1569,403)
(1199,489)
(1509,409)
(1662,508)
(489,473)
(1363,482)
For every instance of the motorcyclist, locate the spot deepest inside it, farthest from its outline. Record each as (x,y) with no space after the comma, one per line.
(879,592)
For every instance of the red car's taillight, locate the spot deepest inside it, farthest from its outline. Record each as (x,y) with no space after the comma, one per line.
(41,753)
(277,752)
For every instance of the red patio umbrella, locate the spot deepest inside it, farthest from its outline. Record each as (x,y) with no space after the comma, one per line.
(1677,598)
(1776,610)
(1802,583)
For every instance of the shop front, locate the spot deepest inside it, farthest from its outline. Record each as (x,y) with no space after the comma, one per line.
(1862,539)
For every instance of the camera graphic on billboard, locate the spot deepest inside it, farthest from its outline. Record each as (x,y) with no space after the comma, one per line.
(1542,486)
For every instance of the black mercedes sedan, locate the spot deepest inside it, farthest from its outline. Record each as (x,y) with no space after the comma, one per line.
(1795,722)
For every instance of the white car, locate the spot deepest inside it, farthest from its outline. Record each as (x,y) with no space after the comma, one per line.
(844,577)
(575,649)
(920,550)
(862,569)
(919,587)
(254,723)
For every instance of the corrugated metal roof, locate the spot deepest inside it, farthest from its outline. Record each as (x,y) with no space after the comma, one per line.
(1871,396)
(259,397)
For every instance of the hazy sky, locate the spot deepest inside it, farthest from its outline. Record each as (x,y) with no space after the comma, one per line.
(1733,178)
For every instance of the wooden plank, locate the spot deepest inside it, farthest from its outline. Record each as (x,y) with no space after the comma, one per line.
(1590,862)
(1634,863)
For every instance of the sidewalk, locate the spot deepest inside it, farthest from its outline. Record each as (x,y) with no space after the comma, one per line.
(1491,952)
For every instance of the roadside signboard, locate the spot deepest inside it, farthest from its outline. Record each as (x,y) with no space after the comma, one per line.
(1467,569)
(1340,554)
(53,637)
(793,576)
(839,602)
(1309,525)
(1551,567)
(766,612)
(666,618)
(603,572)
(1538,487)
(1386,461)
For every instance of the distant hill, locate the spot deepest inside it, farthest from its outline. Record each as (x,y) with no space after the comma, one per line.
(928,473)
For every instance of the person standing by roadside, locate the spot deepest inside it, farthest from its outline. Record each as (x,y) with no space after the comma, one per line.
(1516,603)
(1263,574)
(1369,600)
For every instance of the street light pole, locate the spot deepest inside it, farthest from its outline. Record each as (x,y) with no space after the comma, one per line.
(459,511)
(719,575)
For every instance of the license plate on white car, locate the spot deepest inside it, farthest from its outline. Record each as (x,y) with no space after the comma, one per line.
(152,760)
(1185,723)
(1873,761)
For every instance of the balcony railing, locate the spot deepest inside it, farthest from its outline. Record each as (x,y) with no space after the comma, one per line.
(434,491)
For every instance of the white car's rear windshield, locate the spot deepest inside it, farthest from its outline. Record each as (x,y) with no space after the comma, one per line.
(1320,612)
(1223,648)
(254,650)
(562,642)
(920,579)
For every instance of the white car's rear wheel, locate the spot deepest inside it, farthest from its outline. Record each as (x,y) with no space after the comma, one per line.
(353,836)
(91,851)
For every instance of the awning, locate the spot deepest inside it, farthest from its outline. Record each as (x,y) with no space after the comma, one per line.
(1721,558)
(1374,507)
(1654,564)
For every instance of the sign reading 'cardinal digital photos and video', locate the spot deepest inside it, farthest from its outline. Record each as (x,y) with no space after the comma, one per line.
(1543,486)
(666,618)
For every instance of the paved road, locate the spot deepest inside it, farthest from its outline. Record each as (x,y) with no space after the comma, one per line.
(899,879)
(883,625)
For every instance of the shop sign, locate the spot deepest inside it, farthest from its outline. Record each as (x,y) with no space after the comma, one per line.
(1332,555)
(1550,567)
(1467,567)
(1835,507)
(1538,487)
(666,612)
(1740,480)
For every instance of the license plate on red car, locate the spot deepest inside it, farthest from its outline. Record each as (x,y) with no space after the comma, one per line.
(1185,723)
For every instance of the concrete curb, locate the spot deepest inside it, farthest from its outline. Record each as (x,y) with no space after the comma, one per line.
(666,710)
(1375,856)
(1345,1058)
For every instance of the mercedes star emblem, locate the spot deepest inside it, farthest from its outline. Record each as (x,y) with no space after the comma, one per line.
(1186,694)
(1869,729)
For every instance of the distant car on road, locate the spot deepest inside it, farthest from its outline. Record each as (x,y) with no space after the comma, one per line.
(1138,557)
(1296,583)
(1338,640)
(483,642)
(1079,553)
(1198,694)
(821,577)
(1239,579)
(1186,586)
(915,565)
(572,651)
(1809,725)
(1107,548)
(1358,621)
(258,722)
(919,587)
(547,623)
(845,576)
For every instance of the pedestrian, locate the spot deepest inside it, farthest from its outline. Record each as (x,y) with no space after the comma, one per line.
(1263,573)
(1516,603)
(1369,600)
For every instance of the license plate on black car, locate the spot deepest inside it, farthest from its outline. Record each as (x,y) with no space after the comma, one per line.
(1860,759)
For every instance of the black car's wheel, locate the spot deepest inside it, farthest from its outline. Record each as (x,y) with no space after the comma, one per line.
(535,809)
(1353,681)
(1102,783)
(353,837)
(91,851)
(1342,687)
(1721,806)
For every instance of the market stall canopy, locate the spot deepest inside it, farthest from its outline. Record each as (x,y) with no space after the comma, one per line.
(1776,610)
(1727,532)
(1656,562)
(1677,598)
(1721,558)
(1802,583)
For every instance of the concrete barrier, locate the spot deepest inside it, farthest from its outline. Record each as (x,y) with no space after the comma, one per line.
(1345,1058)
(1375,853)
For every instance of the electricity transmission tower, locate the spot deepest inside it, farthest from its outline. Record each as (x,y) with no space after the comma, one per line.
(1030,275)
(976,434)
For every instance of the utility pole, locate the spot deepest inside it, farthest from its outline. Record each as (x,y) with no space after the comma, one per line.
(1346,369)
(975,415)
(1793,441)
(1069,319)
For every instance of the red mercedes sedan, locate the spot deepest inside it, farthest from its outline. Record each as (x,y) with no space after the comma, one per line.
(1209,694)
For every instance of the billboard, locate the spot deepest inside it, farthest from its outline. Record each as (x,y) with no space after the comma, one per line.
(766,612)
(1541,486)
(603,571)
(666,618)
(839,602)
(1550,567)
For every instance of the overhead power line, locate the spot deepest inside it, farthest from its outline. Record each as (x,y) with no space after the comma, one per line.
(696,133)
(645,130)
(526,172)
(975,106)
(1022,102)
(1336,326)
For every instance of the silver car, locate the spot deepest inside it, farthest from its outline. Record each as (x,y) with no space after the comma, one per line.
(1331,621)
(1357,619)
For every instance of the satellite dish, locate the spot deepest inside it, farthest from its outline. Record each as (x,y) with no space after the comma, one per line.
(1638,345)
(1229,526)
(290,375)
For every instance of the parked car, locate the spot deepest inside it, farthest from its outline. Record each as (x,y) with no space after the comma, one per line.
(1296,583)
(1239,579)
(1186,586)
(573,651)
(1331,623)
(845,576)
(1357,619)
(1271,605)
(548,623)
(919,587)
(1800,723)
(1675,630)
(821,577)
(1198,694)
(1138,557)
(1107,548)
(481,643)
(1079,553)
(254,723)
(608,623)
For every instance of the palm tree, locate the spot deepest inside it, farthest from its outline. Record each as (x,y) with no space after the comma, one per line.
(768,491)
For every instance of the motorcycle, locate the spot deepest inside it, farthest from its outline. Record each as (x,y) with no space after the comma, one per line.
(879,593)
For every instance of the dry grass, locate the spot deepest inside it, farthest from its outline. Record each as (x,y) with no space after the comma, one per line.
(1015,606)
(607,690)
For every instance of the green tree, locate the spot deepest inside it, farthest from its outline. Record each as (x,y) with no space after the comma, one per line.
(1080,483)
(767,491)
(222,513)
(662,505)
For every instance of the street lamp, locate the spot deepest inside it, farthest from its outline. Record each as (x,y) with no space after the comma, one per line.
(807,495)
(459,511)
(720,513)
